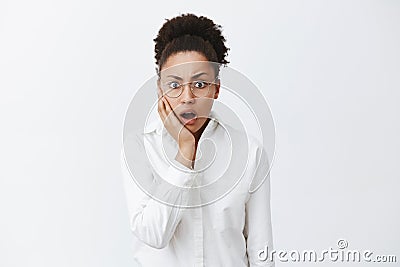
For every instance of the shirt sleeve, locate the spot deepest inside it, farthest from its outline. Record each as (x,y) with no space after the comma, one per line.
(258,229)
(151,220)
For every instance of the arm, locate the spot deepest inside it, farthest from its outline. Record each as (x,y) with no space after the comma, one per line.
(151,221)
(258,229)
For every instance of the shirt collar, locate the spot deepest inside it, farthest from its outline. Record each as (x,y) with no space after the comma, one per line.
(157,125)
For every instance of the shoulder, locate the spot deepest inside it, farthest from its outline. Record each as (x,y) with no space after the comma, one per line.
(250,149)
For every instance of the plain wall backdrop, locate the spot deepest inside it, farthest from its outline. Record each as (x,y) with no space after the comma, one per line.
(68,69)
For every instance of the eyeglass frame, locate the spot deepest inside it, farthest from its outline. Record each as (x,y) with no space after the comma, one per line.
(181,86)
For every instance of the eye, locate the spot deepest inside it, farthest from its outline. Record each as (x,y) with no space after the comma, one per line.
(199,84)
(174,85)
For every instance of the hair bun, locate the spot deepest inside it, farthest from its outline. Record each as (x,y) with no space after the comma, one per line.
(190,24)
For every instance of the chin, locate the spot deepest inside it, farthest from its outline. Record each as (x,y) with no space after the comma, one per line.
(196,126)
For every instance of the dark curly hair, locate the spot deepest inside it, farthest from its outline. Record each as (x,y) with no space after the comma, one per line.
(189,32)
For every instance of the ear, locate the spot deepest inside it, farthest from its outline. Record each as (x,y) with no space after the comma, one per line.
(217,87)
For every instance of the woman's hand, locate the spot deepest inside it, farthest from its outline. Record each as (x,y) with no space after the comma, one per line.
(185,139)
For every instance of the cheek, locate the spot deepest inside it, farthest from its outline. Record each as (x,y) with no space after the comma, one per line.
(205,105)
(173,102)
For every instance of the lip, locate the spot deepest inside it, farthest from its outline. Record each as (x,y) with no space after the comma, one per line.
(186,121)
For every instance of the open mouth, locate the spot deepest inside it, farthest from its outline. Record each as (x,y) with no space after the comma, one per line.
(188,117)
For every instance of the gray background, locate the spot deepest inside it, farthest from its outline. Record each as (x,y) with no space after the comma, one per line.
(68,69)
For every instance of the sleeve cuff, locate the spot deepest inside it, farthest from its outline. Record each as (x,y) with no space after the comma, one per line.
(180,175)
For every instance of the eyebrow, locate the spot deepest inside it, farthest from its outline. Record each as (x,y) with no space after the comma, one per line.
(193,77)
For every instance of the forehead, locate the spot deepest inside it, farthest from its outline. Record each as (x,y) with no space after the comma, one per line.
(186,65)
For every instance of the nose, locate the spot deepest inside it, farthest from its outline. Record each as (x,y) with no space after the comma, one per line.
(187,95)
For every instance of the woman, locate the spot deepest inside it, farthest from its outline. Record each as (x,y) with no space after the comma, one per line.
(193,209)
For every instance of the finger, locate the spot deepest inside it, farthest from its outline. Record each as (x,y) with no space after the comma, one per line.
(171,116)
(167,105)
(169,110)
(160,104)
(159,92)
(161,108)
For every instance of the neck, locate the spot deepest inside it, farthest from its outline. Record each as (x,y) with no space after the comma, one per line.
(198,134)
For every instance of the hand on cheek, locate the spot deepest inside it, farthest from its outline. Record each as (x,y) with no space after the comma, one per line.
(184,138)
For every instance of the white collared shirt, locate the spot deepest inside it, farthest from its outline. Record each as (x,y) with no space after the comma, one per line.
(230,230)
